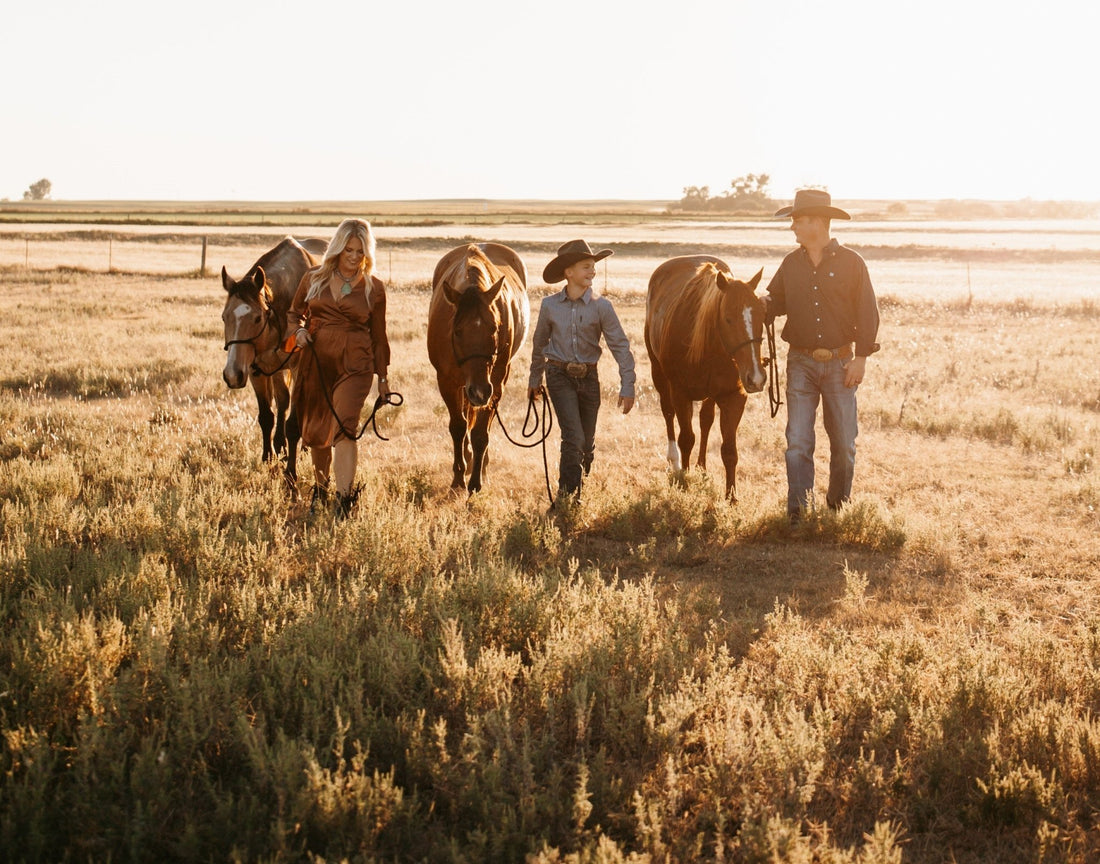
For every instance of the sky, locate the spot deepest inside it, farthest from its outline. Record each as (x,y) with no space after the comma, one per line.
(268,100)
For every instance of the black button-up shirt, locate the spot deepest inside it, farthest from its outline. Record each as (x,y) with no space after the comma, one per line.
(829,306)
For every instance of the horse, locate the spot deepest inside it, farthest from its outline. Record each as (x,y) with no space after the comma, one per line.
(477,322)
(255,323)
(703,332)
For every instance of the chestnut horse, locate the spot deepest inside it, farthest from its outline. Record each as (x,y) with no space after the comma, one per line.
(703,331)
(477,322)
(255,322)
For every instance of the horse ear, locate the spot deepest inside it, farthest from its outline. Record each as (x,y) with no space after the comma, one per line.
(226,280)
(755,280)
(490,294)
(450,294)
(259,279)
(724,282)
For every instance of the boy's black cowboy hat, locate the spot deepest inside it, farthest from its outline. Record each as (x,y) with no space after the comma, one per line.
(568,255)
(812,202)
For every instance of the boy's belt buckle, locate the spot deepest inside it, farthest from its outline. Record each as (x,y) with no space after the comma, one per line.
(823,355)
(576,370)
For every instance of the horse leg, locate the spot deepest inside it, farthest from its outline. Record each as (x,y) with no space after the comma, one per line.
(706,420)
(479,438)
(293,436)
(266,418)
(456,425)
(664,393)
(282,401)
(732,408)
(686,438)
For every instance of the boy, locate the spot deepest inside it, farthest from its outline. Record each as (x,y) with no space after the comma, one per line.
(566,346)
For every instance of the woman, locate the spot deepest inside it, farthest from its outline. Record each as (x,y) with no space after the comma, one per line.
(338,316)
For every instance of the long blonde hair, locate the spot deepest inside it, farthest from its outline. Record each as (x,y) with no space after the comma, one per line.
(344,232)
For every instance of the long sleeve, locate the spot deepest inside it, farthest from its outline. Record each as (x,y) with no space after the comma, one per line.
(298,313)
(380,342)
(866,315)
(619,345)
(539,340)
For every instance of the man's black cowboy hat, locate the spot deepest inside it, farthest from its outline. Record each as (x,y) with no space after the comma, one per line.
(568,255)
(812,202)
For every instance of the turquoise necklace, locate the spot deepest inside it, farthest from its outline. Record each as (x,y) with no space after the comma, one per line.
(345,289)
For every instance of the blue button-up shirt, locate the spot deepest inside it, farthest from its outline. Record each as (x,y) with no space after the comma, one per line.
(570,330)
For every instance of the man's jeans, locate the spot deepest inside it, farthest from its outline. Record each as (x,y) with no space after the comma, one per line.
(576,403)
(809,382)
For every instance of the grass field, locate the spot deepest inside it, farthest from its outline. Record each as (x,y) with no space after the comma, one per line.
(191,668)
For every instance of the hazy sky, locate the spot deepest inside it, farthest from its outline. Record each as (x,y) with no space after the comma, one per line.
(243,99)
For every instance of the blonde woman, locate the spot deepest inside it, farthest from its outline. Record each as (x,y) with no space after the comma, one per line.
(338,318)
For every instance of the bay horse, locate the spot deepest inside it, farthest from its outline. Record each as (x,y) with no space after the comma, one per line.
(477,321)
(255,323)
(703,331)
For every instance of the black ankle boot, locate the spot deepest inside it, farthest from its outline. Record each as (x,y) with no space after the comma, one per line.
(344,503)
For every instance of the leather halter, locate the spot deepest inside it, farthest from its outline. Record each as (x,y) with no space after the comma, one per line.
(252,340)
(746,342)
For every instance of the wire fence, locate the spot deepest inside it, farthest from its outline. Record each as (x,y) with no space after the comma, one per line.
(201,256)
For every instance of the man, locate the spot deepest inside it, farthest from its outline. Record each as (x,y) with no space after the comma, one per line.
(825,291)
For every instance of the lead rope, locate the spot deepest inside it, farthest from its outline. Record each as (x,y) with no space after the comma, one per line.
(773,371)
(256,370)
(392,398)
(545,422)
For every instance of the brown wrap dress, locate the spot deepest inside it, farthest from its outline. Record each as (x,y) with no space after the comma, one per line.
(349,346)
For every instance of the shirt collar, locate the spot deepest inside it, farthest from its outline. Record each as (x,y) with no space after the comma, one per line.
(830,247)
(585,298)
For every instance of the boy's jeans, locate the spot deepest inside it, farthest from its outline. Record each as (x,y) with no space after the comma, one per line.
(576,403)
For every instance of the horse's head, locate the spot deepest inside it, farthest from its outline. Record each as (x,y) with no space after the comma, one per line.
(474,335)
(741,327)
(246,317)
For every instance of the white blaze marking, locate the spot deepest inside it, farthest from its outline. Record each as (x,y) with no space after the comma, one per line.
(757,372)
(674,455)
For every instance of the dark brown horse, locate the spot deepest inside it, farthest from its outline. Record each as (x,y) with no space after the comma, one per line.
(703,331)
(477,321)
(255,321)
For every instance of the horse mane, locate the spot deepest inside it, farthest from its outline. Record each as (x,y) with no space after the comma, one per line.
(472,273)
(699,301)
(245,287)
(479,270)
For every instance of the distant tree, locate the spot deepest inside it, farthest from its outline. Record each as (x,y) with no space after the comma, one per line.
(38,191)
(748,193)
(695,198)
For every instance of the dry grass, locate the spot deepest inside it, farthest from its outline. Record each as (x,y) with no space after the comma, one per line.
(657,673)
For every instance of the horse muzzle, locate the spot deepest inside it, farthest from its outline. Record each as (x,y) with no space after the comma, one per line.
(754,383)
(234,379)
(478,395)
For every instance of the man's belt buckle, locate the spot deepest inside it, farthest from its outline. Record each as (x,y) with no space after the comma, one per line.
(576,370)
(822,355)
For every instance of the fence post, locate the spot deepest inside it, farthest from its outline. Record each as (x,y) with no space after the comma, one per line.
(202,266)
